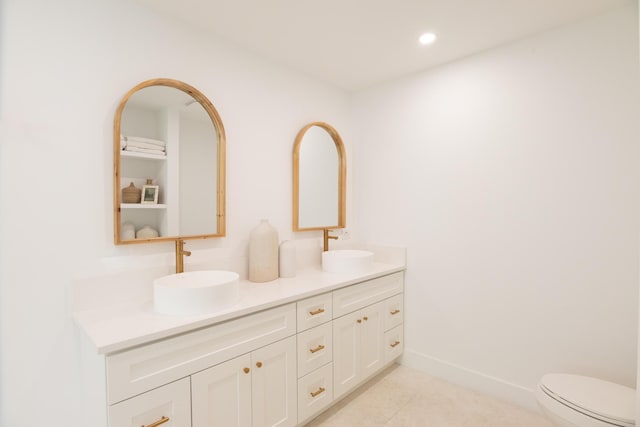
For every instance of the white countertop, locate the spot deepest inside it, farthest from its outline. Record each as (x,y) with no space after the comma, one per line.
(119,327)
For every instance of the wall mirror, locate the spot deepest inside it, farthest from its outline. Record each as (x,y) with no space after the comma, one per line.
(169,165)
(319,178)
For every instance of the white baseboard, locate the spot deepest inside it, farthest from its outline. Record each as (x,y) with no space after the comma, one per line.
(477,381)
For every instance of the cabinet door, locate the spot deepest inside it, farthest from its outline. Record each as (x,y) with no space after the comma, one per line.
(221,395)
(371,343)
(168,405)
(346,343)
(274,384)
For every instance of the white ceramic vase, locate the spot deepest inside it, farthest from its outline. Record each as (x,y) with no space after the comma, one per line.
(263,253)
(287,259)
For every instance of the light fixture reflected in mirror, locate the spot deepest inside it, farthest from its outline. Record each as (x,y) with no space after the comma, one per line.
(319,178)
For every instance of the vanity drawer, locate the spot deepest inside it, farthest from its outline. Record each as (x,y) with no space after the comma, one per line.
(172,401)
(143,368)
(315,392)
(393,343)
(315,348)
(393,311)
(355,297)
(314,311)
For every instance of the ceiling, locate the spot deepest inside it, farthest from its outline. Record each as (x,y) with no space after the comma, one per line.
(354,44)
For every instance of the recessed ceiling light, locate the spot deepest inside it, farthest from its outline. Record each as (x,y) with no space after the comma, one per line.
(427,38)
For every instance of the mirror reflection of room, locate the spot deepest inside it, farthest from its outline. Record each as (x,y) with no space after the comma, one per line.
(169,149)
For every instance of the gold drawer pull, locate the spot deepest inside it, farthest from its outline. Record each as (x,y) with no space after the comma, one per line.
(259,364)
(317,392)
(395,343)
(394,312)
(246,370)
(318,348)
(318,311)
(157,423)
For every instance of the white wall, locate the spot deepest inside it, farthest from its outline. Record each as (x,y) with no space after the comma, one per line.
(512,177)
(65,67)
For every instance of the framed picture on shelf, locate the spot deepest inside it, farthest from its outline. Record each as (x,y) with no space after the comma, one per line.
(149,194)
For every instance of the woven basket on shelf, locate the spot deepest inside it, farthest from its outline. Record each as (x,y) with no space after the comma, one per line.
(131,194)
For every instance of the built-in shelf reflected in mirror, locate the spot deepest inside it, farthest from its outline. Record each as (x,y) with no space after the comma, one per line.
(169,158)
(319,178)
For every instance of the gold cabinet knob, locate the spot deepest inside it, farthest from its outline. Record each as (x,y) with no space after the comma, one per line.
(246,370)
(359,320)
(259,364)
(365,318)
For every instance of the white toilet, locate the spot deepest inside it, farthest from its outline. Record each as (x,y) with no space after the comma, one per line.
(577,401)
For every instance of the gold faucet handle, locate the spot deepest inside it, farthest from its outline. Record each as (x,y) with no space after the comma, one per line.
(325,239)
(180,253)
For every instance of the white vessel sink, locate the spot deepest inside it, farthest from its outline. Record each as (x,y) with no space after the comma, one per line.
(347,261)
(195,292)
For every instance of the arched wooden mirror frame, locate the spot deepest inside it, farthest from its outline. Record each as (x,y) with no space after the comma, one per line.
(221,162)
(342,178)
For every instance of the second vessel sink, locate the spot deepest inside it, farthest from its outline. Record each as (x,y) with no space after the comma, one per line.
(347,261)
(195,292)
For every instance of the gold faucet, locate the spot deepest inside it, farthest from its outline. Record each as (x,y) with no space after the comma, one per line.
(180,254)
(326,239)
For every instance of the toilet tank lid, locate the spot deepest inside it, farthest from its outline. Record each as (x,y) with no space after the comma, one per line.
(600,397)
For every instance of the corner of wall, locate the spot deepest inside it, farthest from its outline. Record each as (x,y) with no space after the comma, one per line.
(474,380)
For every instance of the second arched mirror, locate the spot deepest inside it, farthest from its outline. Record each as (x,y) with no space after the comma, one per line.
(319,178)
(169,164)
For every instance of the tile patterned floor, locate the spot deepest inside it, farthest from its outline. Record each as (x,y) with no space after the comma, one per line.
(403,397)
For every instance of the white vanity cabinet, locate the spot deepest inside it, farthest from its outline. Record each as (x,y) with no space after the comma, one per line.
(278,367)
(267,338)
(256,389)
(358,344)
(221,395)
(359,332)
(351,345)
(274,385)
